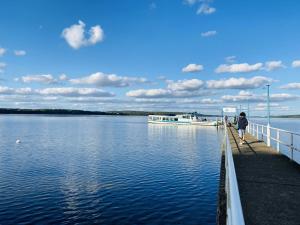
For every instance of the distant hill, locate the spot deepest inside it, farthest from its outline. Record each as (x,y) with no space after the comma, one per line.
(84,112)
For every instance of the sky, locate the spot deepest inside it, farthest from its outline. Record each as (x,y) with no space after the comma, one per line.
(153,55)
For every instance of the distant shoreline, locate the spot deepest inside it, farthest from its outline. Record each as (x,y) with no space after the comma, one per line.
(73,112)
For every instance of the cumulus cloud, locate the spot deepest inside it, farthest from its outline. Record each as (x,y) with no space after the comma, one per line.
(281,97)
(185,85)
(57,91)
(251,97)
(108,80)
(192,68)
(74,92)
(149,93)
(274,106)
(75,35)
(20,52)
(43,78)
(239,83)
(209,33)
(2,51)
(174,89)
(291,86)
(238,68)
(296,63)
(206,9)
(2,67)
(63,77)
(273,65)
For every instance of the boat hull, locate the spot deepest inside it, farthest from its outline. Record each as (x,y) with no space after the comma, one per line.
(204,123)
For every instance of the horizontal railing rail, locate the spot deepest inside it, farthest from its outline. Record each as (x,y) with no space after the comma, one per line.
(234,207)
(261,132)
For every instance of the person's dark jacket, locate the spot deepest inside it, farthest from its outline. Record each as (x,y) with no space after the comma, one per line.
(242,123)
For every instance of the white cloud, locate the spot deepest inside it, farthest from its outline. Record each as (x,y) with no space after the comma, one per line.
(44,78)
(206,9)
(209,33)
(281,97)
(251,97)
(108,80)
(191,68)
(291,86)
(63,77)
(239,83)
(150,93)
(2,51)
(238,68)
(76,37)
(73,92)
(296,63)
(230,59)
(210,101)
(272,65)
(273,106)
(174,89)
(2,67)
(20,52)
(60,91)
(185,85)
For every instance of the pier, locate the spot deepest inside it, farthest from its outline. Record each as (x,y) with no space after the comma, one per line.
(258,184)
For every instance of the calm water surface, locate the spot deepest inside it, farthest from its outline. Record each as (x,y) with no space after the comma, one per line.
(106,170)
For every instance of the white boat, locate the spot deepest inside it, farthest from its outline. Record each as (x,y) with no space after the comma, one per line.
(167,119)
(188,119)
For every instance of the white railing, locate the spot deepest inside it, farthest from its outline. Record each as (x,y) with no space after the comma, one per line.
(234,207)
(262,131)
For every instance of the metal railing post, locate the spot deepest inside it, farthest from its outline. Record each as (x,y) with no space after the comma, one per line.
(292,147)
(278,141)
(268,136)
(262,132)
(257,131)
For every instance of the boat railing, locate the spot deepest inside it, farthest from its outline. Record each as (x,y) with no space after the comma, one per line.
(275,137)
(234,207)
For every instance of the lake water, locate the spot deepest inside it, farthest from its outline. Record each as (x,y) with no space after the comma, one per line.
(106,170)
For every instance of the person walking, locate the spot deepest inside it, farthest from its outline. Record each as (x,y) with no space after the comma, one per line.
(242,124)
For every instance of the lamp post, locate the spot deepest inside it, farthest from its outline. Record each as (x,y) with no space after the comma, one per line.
(268,108)
(268,103)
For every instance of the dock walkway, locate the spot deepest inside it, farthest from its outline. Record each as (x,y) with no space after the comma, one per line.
(269,183)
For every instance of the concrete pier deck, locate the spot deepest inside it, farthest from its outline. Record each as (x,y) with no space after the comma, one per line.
(269,183)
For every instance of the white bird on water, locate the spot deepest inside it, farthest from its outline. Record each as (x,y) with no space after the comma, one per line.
(18,141)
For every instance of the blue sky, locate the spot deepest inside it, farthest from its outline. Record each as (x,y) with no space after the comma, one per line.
(182,55)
